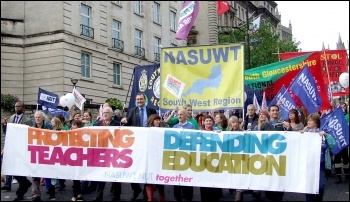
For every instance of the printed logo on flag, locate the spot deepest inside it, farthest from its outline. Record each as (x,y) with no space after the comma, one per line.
(143,81)
(336,125)
(304,86)
(47,98)
(174,86)
(79,99)
(287,102)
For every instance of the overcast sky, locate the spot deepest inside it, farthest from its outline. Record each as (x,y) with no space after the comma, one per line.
(316,22)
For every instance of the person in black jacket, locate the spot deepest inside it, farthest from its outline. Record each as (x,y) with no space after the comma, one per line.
(276,123)
(250,119)
(138,117)
(117,189)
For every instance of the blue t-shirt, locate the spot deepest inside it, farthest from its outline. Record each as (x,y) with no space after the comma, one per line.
(187,125)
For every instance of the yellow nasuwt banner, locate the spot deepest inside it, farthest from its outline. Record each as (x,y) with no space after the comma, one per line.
(206,77)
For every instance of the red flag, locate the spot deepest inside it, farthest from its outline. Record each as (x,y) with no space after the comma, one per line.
(222,7)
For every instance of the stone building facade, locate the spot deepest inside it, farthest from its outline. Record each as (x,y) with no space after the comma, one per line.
(46,44)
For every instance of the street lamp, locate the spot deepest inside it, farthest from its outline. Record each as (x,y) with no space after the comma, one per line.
(74,82)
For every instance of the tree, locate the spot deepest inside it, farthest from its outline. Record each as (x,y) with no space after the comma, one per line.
(262,44)
(115,103)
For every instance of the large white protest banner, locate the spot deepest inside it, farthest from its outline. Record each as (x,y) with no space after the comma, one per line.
(275,161)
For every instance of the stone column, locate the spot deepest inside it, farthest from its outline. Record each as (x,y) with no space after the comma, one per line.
(213,23)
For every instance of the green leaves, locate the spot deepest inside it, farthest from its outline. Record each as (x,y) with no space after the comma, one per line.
(264,45)
(8,101)
(115,103)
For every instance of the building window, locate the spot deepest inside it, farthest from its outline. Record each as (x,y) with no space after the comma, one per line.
(85,28)
(85,65)
(239,12)
(244,12)
(156,12)
(172,21)
(88,101)
(157,48)
(116,36)
(116,29)
(117,74)
(137,7)
(138,42)
(225,19)
(85,15)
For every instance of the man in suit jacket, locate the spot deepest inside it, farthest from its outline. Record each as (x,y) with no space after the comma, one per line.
(40,122)
(20,118)
(138,117)
(116,186)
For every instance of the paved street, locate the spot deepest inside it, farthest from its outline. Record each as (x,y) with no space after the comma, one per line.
(334,192)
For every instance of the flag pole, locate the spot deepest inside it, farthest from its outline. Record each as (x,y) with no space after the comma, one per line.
(127,94)
(325,58)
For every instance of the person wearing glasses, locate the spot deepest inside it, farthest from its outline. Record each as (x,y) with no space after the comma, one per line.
(117,188)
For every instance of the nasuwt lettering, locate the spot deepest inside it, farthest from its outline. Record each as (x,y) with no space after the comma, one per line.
(203,56)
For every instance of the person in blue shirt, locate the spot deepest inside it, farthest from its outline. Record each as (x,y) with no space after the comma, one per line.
(183,123)
(186,190)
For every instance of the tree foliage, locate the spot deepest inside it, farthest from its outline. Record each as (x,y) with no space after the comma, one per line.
(8,101)
(263,44)
(115,103)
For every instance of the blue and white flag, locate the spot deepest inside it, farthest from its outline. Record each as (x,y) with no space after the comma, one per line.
(54,112)
(335,124)
(305,88)
(287,102)
(48,99)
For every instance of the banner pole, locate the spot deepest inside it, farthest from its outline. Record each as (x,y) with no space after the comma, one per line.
(127,95)
(325,59)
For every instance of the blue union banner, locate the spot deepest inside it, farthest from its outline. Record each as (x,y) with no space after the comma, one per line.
(146,81)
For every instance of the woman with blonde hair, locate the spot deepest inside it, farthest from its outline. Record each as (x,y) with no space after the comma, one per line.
(56,123)
(233,124)
(264,117)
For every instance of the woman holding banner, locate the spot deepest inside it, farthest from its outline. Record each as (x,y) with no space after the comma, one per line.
(210,194)
(263,119)
(235,125)
(221,121)
(328,142)
(87,119)
(154,120)
(77,192)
